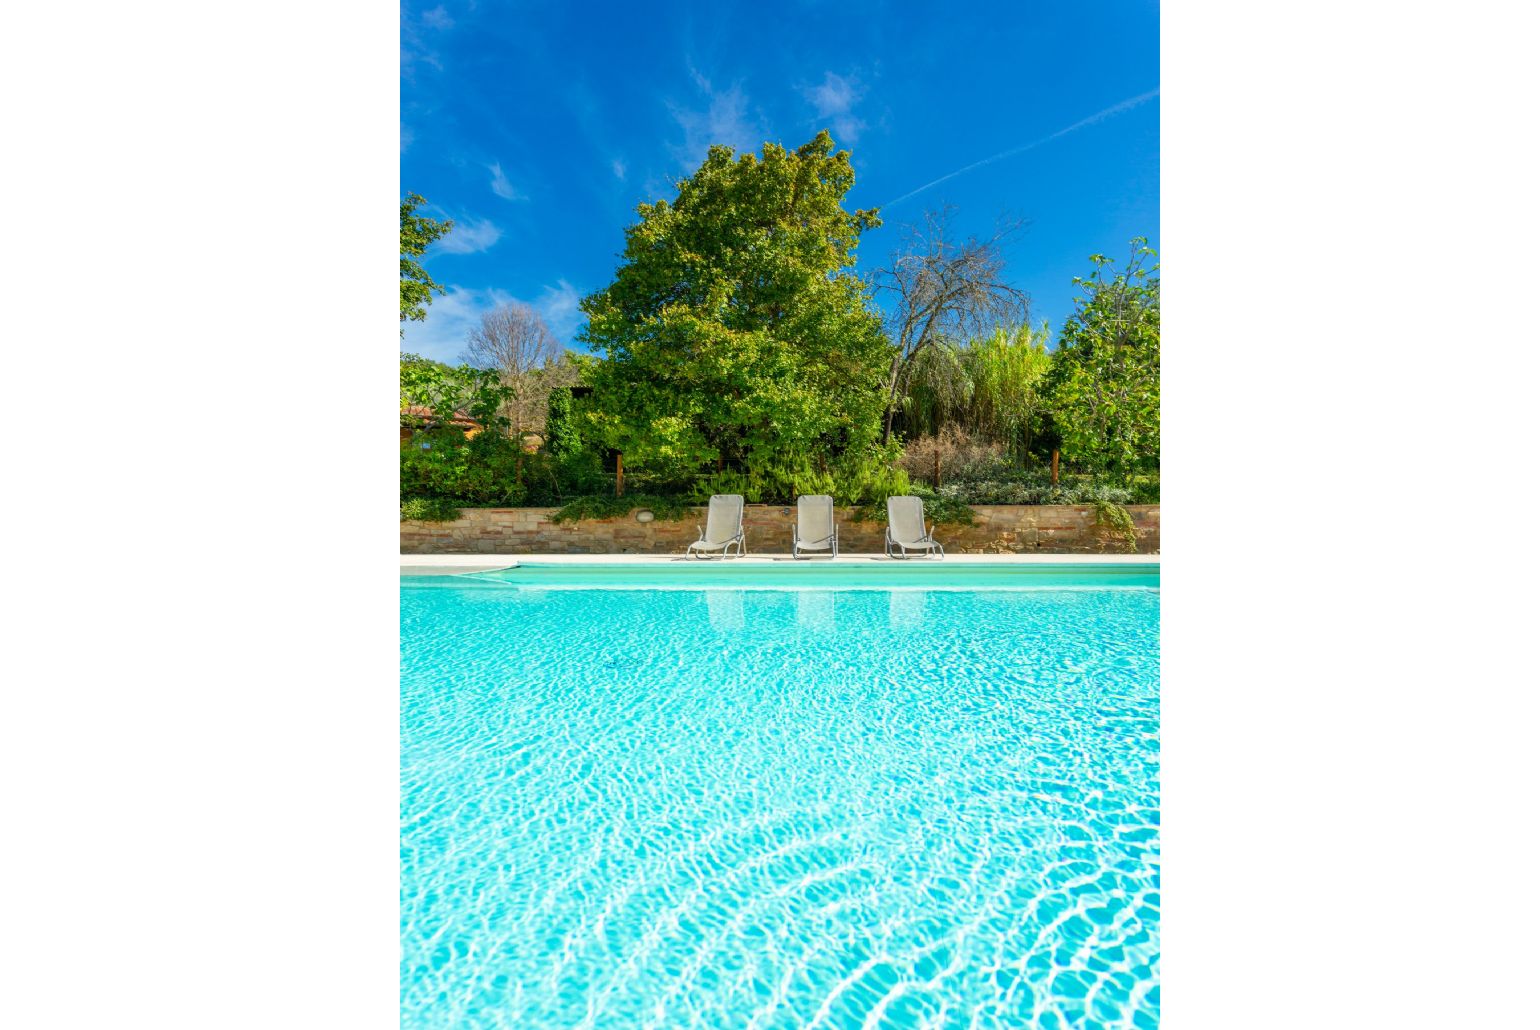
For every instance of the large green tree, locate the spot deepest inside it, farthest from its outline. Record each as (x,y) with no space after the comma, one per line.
(417,232)
(736,333)
(1105,379)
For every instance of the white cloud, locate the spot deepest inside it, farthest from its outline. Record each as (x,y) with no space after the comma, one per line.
(835,100)
(727,119)
(501,186)
(618,167)
(469,236)
(438,18)
(406,137)
(558,305)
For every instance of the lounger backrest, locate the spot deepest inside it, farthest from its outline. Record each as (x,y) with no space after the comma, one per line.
(906,518)
(815,517)
(724,517)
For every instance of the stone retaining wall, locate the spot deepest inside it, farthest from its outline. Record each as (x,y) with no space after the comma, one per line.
(999,529)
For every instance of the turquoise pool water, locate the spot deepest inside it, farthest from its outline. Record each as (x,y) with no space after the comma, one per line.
(783,801)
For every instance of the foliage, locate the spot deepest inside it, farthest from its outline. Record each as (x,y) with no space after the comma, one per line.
(1144,488)
(1006,371)
(737,335)
(979,472)
(851,479)
(562,439)
(608,506)
(417,232)
(1117,518)
(429,509)
(554,479)
(991,388)
(940,509)
(479,471)
(1105,380)
(1036,487)
(951,454)
(449,392)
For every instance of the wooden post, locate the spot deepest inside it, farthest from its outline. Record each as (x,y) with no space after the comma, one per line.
(1055,466)
(620,474)
(938,468)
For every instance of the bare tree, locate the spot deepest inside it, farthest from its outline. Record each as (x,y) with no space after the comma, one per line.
(945,291)
(515,341)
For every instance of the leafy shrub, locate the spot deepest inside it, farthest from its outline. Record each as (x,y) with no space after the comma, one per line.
(479,472)
(429,509)
(476,393)
(554,479)
(979,472)
(1037,488)
(1117,518)
(1145,489)
(854,478)
(608,506)
(939,509)
(561,431)
(959,456)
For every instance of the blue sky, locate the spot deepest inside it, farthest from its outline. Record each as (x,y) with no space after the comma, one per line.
(540,126)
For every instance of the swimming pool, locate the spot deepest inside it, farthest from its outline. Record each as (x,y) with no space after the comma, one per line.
(799,796)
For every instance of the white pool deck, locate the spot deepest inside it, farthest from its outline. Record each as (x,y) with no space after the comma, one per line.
(461,564)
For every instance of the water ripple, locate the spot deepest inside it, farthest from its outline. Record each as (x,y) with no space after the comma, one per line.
(779,808)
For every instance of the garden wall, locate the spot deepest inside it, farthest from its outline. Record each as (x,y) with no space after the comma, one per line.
(999,529)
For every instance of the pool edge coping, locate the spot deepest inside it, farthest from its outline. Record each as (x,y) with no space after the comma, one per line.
(466,564)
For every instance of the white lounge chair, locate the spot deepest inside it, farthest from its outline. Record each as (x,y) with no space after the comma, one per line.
(723,529)
(906,529)
(815,528)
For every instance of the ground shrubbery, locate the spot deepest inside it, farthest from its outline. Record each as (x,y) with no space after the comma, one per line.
(974,471)
(429,509)
(442,471)
(608,506)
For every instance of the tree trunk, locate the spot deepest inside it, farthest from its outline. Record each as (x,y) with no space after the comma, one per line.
(887,416)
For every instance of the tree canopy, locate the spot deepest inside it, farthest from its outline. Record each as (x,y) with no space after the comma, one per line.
(1105,380)
(735,330)
(417,233)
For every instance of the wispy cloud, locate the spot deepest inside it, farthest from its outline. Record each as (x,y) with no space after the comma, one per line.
(1102,115)
(727,118)
(835,100)
(469,236)
(438,18)
(558,305)
(501,186)
(618,167)
(406,137)
(416,48)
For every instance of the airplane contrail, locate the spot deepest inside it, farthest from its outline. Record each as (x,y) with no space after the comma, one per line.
(1118,108)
